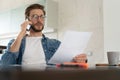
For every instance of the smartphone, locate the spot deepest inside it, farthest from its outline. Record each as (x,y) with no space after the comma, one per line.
(28,27)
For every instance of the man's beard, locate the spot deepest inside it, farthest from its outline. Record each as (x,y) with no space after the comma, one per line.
(37,30)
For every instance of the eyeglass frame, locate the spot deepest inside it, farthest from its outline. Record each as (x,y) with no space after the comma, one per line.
(34,18)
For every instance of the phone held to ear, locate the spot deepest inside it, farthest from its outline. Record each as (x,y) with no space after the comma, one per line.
(28,27)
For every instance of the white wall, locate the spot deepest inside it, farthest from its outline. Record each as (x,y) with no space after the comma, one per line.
(111,25)
(4,18)
(52,13)
(84,15)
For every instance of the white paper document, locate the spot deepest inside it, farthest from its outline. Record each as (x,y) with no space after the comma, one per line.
(73,44)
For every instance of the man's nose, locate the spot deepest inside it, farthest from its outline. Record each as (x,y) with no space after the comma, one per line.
(40,19)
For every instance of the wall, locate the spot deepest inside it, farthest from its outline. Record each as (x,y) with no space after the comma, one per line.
(52,13)
(111,25)
(84,15)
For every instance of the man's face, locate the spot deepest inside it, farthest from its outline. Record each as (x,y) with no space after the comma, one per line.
(37,19)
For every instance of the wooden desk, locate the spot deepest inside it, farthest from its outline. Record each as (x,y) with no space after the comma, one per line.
(53,73)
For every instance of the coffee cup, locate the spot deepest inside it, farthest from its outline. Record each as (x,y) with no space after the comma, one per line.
(113,57)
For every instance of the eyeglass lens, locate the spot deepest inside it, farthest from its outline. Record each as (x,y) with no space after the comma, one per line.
(36,17)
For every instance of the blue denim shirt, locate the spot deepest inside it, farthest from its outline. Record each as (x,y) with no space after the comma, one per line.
(49,46)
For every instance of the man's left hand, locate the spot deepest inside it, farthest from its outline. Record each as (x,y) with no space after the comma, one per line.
(81,58)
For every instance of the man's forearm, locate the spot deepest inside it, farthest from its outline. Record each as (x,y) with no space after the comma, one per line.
(16,44)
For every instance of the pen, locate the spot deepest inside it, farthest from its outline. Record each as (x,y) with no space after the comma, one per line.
(69,65)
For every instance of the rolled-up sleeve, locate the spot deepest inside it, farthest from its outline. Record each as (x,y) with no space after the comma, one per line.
(9,57)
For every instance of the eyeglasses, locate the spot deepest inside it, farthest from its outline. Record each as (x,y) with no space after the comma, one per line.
(36,17)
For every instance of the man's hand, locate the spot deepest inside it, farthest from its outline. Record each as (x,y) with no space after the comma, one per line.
(24,27)
(81,58)
(16,44)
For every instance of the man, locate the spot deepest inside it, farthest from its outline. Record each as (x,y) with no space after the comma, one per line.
(33,48)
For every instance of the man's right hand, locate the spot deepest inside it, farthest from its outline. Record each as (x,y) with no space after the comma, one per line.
(16,44)
(23,28)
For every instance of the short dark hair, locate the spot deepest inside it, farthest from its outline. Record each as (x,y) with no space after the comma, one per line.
(31,7)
